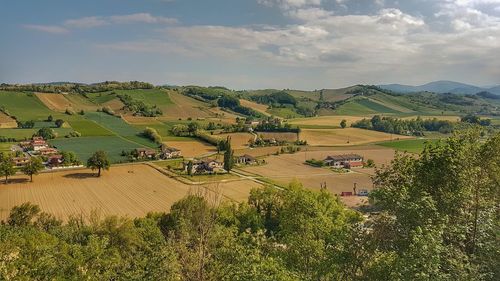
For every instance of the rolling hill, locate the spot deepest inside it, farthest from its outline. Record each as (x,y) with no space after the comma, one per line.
(440,87)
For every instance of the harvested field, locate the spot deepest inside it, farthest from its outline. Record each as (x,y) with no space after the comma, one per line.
(288,137)
(286,167)
(347,136)
(183,107)
(258,151)
(222,116)
(6,121)
(115,104)
(132,190)
(325,121)
(192,148)
(56,102)
(140,120)
(238,140)
(262,108)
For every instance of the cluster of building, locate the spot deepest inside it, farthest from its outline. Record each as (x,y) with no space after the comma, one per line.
(37,146)
(347,161)
(210,166)
(165,152)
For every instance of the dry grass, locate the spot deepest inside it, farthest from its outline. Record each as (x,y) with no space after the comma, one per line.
(6,121)
(192,148)
(140,120)
(56,102)
(238,140)
(184,107)
(262,108)
(286,167)
(326,120)
(132,191)
(347,136)
(115,104)
(288,137)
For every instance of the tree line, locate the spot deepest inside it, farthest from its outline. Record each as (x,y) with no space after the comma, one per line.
(404,127)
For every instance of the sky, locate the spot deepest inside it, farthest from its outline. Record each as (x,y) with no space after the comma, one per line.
(251,44)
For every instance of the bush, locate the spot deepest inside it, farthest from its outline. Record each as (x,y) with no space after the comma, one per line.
(152,134)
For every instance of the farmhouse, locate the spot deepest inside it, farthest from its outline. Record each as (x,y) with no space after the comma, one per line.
(168,152)
(46,151)
(204,166)
(35,144)
(344,161)
(246,159)
(55,160)
(146,153)
(21,161)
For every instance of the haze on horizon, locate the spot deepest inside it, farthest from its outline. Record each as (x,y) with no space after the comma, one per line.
(303,44)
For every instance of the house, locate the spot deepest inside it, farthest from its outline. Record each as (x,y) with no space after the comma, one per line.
(38,143)
(204,166)
(146,153)
(168,152)
(55,160)
(46,151)
(347,161)
(246,159)
(21,161)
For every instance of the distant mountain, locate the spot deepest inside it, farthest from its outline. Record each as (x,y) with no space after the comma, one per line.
(439,87)
(495,90)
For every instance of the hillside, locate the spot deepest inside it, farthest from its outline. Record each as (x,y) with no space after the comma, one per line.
(440,87)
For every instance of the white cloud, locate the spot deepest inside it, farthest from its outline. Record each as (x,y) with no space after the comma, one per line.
(141,18)
(55,29)
(86,22)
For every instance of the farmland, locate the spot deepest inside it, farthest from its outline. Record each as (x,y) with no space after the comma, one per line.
(192,148)
(413,146)
(345,137)
(325,122)
(286,167)
(85,146)
(287,137)
(24,106)
(6,121)
(121,191)
(238,140)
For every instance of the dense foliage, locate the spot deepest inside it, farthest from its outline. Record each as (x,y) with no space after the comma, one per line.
(68,87)
(138,107)
(404,127)
(436,218)
(275,99)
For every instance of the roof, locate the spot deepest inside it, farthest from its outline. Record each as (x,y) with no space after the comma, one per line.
(344,157)
(247,156)
(166,148)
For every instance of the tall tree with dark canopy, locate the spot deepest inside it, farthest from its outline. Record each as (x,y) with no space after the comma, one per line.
(33,167)
(228,156)
(98,161)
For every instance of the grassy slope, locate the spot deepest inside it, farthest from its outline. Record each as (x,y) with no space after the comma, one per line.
(84,147)
(119,127)
(25,106)
(413,146)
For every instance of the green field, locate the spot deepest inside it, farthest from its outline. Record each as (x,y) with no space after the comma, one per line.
(152,97)
(25,106)
(363,107)
(412,146)
(100,98)
(89,128)
(84,147)
(120,127)
(284,112)
(5,146)
(21,134)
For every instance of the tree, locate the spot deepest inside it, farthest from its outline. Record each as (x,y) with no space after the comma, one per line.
(23,214)
(192,127)
(6,166)
(59,123)
(228,156)
(98,161)
(46,133)
(50,118)
(343,123)
(190,168)
(33,167)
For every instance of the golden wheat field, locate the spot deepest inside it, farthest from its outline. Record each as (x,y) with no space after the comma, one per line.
(238,140)
(56,102)
(192,148)
(288,137)
(326,120)
(347,136)
(131,190)
(6,121)
(262,108)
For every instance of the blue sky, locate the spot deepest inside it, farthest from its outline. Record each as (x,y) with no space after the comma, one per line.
(249,44)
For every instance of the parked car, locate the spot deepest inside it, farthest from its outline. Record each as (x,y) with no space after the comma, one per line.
(363,192)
